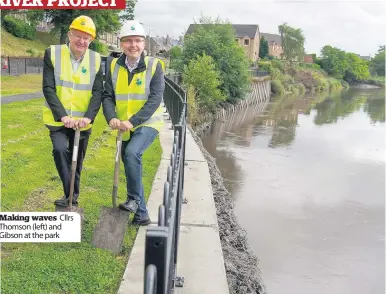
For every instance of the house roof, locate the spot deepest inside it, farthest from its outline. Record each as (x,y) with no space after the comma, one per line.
(241,29)
(246,30)
(272,38)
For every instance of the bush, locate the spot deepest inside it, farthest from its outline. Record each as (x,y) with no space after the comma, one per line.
(217,39)
(264,65)
(277,64)
(175,58)
(334,84)
(302,88)
(193,113)
(275,73)
(310,65)
(18,28)
(321,84)
(202,75)
(277,87)
(99,47)
(345,85)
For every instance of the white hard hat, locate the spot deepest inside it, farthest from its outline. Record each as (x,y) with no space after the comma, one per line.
(132,28)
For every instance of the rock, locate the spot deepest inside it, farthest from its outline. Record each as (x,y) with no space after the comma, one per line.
(243,274)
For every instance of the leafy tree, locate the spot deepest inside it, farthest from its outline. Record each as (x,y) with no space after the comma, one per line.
(106,20)
(263,51)
(377,64)
(175,58)
(292,42)
(202,75)
(217,39)
(344,65)
(358,68)
(334,61)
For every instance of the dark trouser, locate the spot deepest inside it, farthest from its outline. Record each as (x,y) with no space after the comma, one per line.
(132,151)
(63,144)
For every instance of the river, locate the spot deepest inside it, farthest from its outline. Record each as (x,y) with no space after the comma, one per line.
(307,175)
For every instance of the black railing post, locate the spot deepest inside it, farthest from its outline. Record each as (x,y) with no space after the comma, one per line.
(156,254)
(162,241)
(150,286)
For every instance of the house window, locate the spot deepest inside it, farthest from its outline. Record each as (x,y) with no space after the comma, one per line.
(246,42)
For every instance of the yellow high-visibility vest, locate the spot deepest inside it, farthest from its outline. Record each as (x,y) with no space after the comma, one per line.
(129,99)
(74,90)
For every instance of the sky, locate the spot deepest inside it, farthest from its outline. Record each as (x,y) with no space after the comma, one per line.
(353,26)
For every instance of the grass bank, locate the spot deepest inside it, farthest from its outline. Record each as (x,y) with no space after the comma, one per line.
(29,182)
(14,46)
(12,85)
(297,80)
(376,81)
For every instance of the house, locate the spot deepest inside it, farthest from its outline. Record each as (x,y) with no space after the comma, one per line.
(308,58)
(367,58)
(110,39)
(248,36)
(275,48)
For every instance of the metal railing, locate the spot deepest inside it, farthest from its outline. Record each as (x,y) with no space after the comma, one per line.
(174,99)
(258,73)
(161,248)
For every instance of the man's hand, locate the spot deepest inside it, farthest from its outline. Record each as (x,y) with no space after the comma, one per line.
(125,126)
(68,122)
(83,122)
(114,123)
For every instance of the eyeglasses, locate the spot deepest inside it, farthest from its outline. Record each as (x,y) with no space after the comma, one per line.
(132,41)
(80,38)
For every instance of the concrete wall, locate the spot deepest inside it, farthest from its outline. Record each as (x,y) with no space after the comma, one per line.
(260,92)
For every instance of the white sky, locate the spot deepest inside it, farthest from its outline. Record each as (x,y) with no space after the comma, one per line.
(354,26)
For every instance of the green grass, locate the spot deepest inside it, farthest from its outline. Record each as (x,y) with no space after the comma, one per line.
(14,46)
(11,85)
(377,81)
(30,183)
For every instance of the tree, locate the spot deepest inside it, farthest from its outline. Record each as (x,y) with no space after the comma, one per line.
(106,20)
(344,65)
(358,69)
(263,51)
(292,41)
(334,61)
(217,39)
(377,64)
(175,58)
(202,75)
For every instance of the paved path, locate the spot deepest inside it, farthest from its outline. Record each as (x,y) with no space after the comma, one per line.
(21,97)
(200,259)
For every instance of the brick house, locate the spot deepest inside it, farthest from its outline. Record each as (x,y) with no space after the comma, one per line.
(275,48)
(308,58)
(248,36)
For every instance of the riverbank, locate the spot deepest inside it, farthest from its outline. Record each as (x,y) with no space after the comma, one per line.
(213,253)
(241,263)
(298,80)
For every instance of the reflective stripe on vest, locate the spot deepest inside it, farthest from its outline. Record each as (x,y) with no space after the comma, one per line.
(74,89)
(131,97)
(70,84)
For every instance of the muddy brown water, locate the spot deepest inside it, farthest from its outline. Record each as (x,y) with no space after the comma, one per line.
(307,175)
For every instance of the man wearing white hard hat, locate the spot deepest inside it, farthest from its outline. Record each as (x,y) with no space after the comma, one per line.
(131,103)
